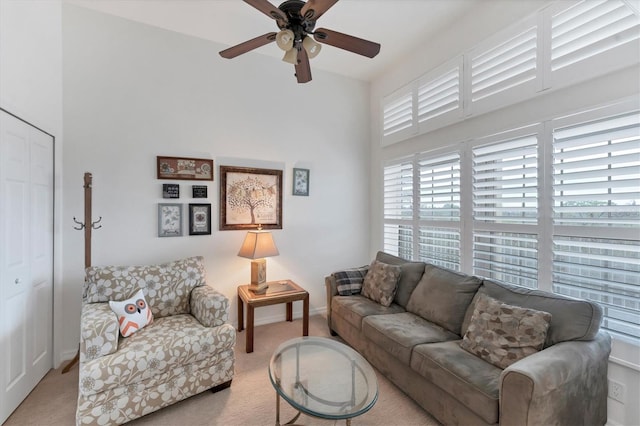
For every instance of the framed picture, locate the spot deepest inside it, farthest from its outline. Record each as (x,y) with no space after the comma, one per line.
(301,182)
(169,220)
(185,168)
(199,219)
(170,190)
(199,191)
(250,198)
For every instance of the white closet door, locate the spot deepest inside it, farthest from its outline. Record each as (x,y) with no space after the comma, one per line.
(26,259)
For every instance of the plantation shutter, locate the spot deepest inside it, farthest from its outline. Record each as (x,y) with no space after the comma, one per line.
(398,208)
(505,181)
(439,95)
(596,191)
(504,66)
(597,173)
(590,28)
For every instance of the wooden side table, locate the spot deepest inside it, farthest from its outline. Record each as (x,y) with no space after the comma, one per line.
(283,291)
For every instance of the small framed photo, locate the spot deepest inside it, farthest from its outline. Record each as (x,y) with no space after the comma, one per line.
(169,220)
(199,219)
(170,190)
(301,182)
(199,191)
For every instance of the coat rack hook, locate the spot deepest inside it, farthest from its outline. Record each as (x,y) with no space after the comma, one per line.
(78,228)
(93,224)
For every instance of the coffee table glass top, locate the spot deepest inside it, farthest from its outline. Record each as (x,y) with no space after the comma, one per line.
(323,378)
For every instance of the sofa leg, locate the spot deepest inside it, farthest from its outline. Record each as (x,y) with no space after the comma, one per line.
(221,386)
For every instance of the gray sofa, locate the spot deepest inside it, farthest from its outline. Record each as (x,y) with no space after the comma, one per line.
(415,343)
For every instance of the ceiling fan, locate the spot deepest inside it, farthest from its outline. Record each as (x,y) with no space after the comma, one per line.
(297,20)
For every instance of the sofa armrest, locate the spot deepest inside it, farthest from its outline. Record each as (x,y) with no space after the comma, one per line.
(332,290)
(99,331)
(209,306)
(563,384)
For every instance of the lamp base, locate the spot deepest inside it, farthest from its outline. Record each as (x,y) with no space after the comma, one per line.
(258,271)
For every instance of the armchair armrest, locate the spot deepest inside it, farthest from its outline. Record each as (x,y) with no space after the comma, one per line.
(332,290)
(563,384)
(209,306)
(99,331)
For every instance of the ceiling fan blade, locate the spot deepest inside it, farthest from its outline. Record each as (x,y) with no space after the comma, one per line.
(248,45)
(314,9)
(268,9)
(303,69)
(347,42)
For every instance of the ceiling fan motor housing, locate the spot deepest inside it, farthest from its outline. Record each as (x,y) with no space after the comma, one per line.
(300,25)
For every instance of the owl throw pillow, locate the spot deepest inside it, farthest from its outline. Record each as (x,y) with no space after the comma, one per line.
(133,313)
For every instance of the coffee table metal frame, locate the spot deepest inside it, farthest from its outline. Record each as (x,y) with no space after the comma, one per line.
(357,363)
(256,300)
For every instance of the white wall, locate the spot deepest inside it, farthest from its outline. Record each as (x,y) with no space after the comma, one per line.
(478,24)
(31,88)
(133,92)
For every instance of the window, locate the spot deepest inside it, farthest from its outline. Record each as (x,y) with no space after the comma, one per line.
(559,46)
(596,208)
(553,205)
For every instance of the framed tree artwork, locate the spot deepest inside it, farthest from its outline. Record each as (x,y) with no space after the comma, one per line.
(250,198)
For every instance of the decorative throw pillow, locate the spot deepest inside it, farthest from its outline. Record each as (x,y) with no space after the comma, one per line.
(349,281)
(381,282)
(502,334)
(133,313)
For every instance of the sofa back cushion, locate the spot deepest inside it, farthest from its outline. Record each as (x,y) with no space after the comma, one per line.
(166,287)
(409,278)
(442,296)
(571,319)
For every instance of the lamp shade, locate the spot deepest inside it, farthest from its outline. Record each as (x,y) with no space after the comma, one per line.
(257,245)
(291,56)
(311,47)
(284,39)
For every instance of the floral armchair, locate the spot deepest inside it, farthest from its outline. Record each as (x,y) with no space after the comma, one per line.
(187,349)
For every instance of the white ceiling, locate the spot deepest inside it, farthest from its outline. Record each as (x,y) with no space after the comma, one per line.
(398,25)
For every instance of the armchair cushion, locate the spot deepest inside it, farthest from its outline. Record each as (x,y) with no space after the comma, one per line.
(167,287)
(158,351)
(209,306)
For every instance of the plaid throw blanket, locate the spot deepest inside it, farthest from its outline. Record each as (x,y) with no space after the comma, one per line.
(350,281)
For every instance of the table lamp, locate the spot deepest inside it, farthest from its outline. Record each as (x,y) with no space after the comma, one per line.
(256,246)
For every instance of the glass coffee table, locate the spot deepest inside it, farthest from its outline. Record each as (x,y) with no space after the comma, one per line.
(323,378)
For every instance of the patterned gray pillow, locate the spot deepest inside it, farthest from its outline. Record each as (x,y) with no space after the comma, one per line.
(349,281)
(502,334)
(381,282)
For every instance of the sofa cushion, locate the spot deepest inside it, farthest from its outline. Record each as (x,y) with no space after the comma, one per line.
(469,379)
(399,333)
(167,287)
(503,334)
(349,281)
(411,274)
(443,296)
(381,282)
(354,308)
(571,319)
(169,344)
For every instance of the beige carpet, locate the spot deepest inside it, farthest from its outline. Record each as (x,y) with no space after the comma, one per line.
(249,401)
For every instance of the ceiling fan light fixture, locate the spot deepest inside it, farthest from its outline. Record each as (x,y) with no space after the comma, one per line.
(311,47)
(284,40)
(291,56)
